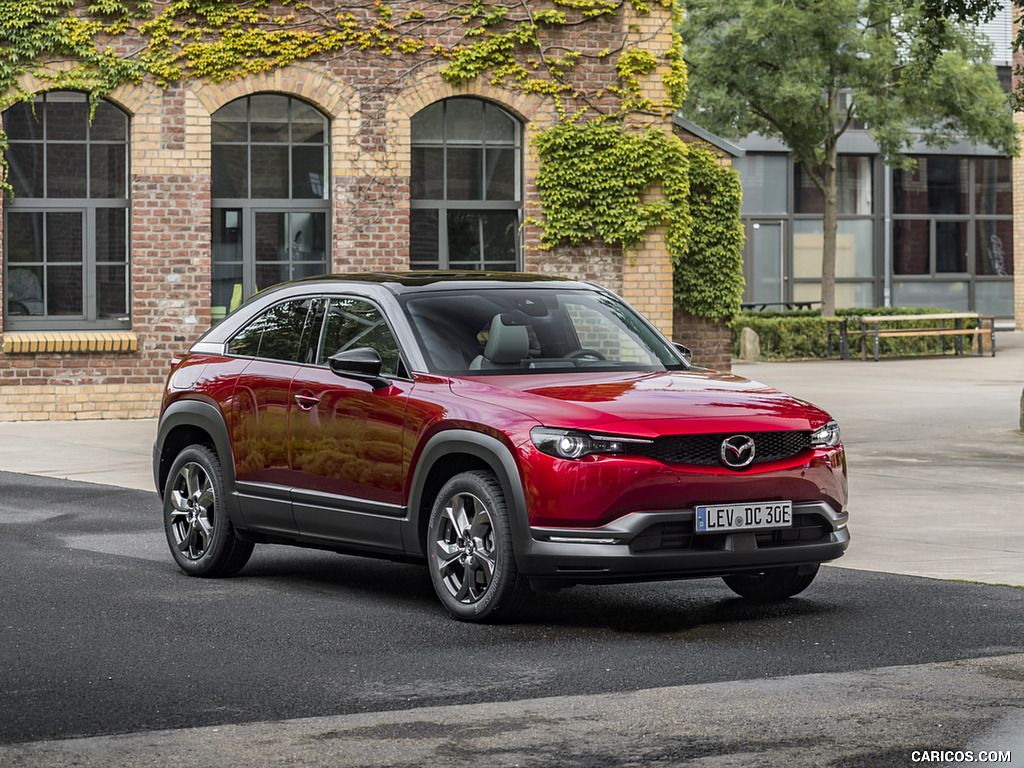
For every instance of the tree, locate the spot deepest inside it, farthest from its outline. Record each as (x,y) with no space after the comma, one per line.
(803,71)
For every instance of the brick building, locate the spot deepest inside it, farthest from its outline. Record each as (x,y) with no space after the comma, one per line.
(129,234)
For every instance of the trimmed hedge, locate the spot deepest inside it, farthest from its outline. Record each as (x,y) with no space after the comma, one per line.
(800,334)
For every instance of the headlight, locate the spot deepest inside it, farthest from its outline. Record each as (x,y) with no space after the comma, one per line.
(574,444)
(826,436)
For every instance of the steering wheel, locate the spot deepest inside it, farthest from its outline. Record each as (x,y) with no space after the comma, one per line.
(584,352)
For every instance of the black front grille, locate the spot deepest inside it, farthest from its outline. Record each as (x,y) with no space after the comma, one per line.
(807,529)
(704,449)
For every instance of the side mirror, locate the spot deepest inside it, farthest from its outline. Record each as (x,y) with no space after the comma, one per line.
(684,350)
(362,364)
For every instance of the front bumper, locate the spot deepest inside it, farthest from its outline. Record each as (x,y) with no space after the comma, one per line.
(645,546)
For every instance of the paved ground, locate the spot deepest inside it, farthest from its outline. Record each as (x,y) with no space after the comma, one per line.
(935,453)
(936,483)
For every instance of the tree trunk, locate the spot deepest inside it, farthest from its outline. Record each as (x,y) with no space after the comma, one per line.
(830,193)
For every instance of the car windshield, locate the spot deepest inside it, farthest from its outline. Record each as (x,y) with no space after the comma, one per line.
(523,330)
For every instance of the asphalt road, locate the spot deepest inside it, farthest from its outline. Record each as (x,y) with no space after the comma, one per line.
(311,658)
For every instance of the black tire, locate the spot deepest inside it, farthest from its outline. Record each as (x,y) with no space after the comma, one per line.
(199,533)
(469,550)
(771,585)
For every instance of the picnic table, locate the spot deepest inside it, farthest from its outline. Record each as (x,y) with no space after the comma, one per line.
(951,329)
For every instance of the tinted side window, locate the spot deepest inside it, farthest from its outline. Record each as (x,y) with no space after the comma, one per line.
(286,331)
(352,324)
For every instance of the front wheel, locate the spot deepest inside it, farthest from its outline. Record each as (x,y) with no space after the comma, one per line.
(771,585)
(201,538)
(469,549)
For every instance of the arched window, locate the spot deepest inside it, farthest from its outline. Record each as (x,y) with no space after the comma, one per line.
(66,225)
(465,187)
(270,196)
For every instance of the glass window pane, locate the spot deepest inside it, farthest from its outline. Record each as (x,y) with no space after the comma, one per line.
(269,118)
(272,273)
(25,169)
(64,290)
(932,293)
(994,248)
(269,172)
(308,173)
(423,239)
(463,238)
(308,124)
(936,185)
(23,291)
(501,174)
(227,235)
(111,290)
(270,234)
(107,171)
(427,181)
(854,248)
(499,127)
(229,122)
(227,289)
(994,297)
(67,116)
(111,235)
(64,237)
(993,182)
(109,123)
(464,173)
(951,246)
(66,170)
(464,120)
(855,187)
(23,238)
(910,248)
(765,183)
(428,124)
(230,171)
(309,241)
(500,229)
(352,324)
(21,122)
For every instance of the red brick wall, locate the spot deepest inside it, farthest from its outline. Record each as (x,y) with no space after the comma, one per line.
(710,342)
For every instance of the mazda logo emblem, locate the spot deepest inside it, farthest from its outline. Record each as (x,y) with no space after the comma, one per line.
(737,452)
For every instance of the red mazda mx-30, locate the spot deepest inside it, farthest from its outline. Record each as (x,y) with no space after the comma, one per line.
(515,433)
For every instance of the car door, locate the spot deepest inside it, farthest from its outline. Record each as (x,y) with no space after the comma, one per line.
(277,341)
(346,435)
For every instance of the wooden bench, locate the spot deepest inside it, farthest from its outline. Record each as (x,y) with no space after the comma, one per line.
(956,332)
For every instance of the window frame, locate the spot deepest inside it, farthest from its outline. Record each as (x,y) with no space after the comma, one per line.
(446,205)
(87,207)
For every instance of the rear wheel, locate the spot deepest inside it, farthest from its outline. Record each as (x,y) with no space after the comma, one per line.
(773,584)
(469,550)
(201,538)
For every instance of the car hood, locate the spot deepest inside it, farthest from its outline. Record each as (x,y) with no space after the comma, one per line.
(645,404)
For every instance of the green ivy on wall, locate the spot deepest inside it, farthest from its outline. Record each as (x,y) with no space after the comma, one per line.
(596,176)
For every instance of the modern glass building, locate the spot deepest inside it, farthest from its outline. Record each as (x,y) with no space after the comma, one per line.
(940,235)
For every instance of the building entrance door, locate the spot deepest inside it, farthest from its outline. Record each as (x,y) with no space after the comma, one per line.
(764,262)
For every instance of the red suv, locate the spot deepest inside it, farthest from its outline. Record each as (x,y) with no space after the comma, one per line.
(513,432)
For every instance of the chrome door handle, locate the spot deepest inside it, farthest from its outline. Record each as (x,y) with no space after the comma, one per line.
(306,401)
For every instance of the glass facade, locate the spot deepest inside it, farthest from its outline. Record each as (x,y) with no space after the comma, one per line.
(942,238)
(66,256)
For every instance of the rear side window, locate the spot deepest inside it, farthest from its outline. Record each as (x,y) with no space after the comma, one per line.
(287,331)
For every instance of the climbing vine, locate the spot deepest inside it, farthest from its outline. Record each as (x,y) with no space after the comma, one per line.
(596,175)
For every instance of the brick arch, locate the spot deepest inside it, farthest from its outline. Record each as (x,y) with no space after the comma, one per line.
(431,87)
(129,97)
(315,85)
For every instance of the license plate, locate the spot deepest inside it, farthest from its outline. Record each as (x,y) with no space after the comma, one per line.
(755,516)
